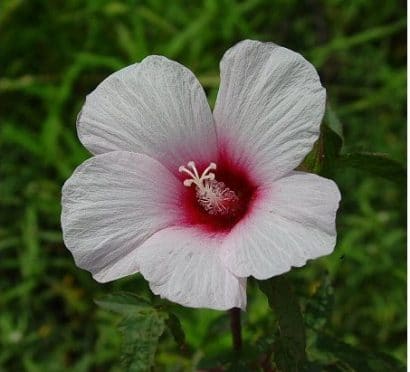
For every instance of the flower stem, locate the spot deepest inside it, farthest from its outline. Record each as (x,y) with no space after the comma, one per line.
(235,315)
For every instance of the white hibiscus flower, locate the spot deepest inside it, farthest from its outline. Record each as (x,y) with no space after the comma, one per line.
(194,201)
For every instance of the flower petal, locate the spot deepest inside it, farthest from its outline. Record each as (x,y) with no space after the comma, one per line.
(111,204)
(157,108)
(269,107)
(183,266)
(294,223)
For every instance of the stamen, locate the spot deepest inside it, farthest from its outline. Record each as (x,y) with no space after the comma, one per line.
(215,197)
(195,178)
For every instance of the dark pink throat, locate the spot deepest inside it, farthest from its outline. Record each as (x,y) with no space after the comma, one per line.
(223,201)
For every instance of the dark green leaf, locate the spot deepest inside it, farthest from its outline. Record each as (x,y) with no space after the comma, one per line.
(333,122)
(319,307)
(332,145)
(175,327)
(140,338)
(141,326)
(289,346)
(314,160)
(327,148)
(376,164)
(123,303)
(356,359)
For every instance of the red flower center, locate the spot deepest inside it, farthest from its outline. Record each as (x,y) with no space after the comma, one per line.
(216,196)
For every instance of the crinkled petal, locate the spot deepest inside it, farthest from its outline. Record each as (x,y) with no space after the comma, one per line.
(183,265)
(269,107)
(157,108)
(110,205)
(293,222)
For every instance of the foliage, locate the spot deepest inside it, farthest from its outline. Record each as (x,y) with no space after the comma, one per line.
(141,326)
(290,343)
(53,53)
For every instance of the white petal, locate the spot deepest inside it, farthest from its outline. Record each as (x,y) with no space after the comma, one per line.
(183,265)
(157,108)
(293,223)
(269,107)
(111,204)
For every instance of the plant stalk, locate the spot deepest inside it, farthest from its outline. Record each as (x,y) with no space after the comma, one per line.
(235,315)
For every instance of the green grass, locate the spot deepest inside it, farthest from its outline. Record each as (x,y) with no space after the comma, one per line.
(54,52)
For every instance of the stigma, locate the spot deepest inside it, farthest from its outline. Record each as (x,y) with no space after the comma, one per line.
(212,195)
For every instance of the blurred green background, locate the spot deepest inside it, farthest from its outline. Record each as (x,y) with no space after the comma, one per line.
(52,53)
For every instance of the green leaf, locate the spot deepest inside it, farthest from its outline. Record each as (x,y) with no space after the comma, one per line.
(376,164)
(327,148)
(319,307)
(341,356)
(141,326)
(332,145)
(313,161)
(290,344)
(326,155)
(333,122)
(141,333)
(124,303)
(356,359)
(175,327)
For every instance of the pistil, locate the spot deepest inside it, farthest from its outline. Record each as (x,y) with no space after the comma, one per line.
(213,196)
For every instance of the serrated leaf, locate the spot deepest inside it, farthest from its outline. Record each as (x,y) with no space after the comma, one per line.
(344,357)
(376,164)
(141,333)
(289,346)
(356,359)
(124,303)
(141,326)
